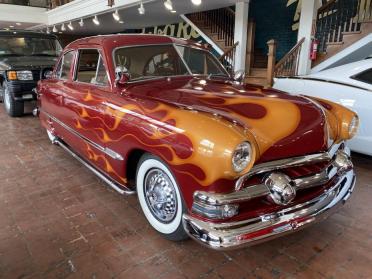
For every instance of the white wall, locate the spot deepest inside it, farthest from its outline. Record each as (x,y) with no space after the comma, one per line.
(17,13)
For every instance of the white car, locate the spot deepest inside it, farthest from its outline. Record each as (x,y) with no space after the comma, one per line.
(349,85)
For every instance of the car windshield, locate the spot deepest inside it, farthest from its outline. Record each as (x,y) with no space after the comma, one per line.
(144,62)
(29,46)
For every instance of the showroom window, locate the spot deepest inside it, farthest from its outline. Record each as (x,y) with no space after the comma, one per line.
(91,68)
(64,66)
(365,76)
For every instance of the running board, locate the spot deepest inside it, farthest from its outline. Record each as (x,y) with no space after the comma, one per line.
(121,189)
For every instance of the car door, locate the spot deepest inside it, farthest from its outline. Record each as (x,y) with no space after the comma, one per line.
(83,103)
(52,96)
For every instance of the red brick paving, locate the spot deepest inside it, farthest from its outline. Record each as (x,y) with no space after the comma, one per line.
(57,220)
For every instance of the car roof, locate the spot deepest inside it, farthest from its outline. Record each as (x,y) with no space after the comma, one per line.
(25,33)
(344,72)
(117,40)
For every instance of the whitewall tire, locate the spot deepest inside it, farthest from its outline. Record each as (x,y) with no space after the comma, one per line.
(160,197)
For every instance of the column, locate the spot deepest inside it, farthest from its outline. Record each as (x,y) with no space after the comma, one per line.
(308,15)
(240,34)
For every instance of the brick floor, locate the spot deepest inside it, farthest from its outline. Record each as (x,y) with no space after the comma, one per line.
(57,220)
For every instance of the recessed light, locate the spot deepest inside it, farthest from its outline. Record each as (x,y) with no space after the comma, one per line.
(173,11)
(196,2)
(168,5)
(121,22)
(18,23)
(11,26)
(95,20)
(116,15)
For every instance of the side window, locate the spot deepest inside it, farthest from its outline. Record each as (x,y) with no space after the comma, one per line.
(64,66)
(365,76)
(91,68)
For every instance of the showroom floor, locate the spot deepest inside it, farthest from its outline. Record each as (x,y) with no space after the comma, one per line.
(57,221)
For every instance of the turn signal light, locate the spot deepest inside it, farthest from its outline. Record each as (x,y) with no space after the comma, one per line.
(12,75)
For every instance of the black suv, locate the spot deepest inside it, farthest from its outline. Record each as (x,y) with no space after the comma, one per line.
(25,58)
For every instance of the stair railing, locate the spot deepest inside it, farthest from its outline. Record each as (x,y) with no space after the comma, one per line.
(228,58)
(288,65)
(221,22)
(339,16)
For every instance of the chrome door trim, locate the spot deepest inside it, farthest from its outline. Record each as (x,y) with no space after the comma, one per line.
(109,152)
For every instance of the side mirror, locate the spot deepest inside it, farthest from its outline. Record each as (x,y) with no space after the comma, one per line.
(48,74)
(122,75)
(239,76)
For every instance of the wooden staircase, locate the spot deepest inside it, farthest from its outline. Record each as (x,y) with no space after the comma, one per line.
(261,67)
(341,23)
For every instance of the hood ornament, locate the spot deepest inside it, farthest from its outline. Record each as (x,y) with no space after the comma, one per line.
(280,186)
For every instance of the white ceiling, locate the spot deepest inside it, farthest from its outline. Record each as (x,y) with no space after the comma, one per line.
(8,24)
(156,14)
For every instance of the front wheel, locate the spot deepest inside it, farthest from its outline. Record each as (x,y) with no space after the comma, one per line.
(12,107)
(160,198)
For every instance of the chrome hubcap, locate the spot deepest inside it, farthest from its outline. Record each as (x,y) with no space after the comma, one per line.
(160,195)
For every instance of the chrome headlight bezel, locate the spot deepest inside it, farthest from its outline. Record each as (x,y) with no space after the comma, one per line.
(241,157)
(353,126)
(25,75)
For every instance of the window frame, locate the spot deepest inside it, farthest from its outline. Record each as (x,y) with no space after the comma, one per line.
(60,62)
(355,77)
(76,68)
(174,45)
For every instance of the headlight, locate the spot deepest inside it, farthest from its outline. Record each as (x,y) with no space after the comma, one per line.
(242,156)
(24,75)
(353,126)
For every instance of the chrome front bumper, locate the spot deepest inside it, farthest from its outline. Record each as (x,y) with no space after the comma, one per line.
(249,232)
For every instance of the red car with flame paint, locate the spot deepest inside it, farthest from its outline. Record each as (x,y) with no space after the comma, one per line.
(209,157)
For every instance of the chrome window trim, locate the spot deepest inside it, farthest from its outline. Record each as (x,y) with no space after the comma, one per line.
(182,59)
(76,68)
(109,152)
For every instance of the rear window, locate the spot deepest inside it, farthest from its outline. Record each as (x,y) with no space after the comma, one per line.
(365,76)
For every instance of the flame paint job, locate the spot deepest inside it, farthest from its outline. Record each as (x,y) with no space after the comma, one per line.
(192,123)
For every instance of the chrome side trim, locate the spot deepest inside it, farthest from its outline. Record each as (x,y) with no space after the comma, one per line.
(121,189)
(289,162)
(224,236)
(109,152)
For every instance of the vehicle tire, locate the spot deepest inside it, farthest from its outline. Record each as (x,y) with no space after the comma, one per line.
(12,107)
(160,197)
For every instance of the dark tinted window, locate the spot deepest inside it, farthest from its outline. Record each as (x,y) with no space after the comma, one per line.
(365,76)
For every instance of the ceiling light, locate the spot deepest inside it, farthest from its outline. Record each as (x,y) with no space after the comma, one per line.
(18,24)
(11,26)
(116,15)
(47,30)
(173,11)
(63,27)
(55,30)
(168,5)
(70,26)
(81,22)
(141,9)
(121,22)
(196,2)
(6,29)
(95,20)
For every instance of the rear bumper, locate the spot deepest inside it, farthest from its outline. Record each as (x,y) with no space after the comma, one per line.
(250,232)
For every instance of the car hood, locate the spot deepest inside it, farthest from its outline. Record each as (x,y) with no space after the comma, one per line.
(282,125)
(26,62)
